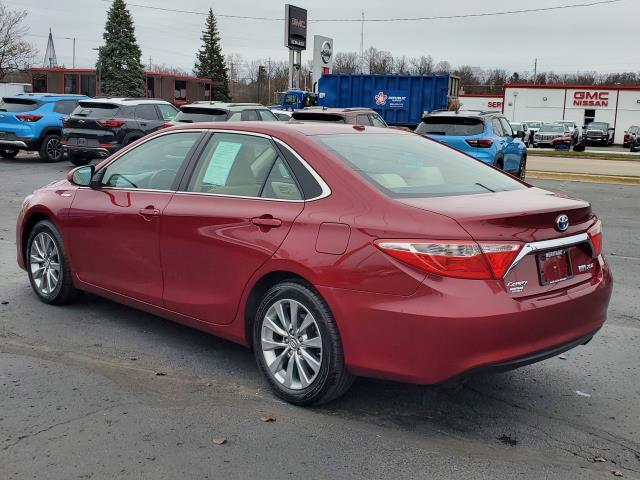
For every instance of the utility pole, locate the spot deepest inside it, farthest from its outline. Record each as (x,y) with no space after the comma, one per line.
(269,82)
(535,71)
(362,44)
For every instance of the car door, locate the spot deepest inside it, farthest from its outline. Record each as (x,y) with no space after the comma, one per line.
(227,220)
(113,231)
(512,147)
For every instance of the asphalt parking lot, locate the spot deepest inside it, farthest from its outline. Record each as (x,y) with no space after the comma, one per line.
(80,394)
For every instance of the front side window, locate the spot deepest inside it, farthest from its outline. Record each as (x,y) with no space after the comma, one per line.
(497,128)
(244,166)
(405,166)
(362,120)
(506,128)
(168,112)
(267,116)
(152,165)
(377,121)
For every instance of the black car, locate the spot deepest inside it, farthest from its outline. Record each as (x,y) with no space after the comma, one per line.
(634,144)
(223,112)
(101,126)
(630,135)
(599,132)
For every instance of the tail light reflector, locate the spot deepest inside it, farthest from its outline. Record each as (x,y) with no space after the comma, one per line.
(112,123)
(166,125)
(28,118)
(595,235)
(458,259)
(480,142)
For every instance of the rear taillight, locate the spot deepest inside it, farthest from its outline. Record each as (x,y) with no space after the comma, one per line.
(459,259)
(112,123)
(595,235)
(28,118)
(480,142)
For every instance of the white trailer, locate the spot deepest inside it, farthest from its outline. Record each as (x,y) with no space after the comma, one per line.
(8,89)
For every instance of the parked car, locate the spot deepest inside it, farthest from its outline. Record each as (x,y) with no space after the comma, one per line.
(574,129)
(550,134)
(101,126)
(630,135)
(353,116)
(634,146)
(599,132)
(486,136)
(380,242)
(518,127)
(223,112)
(33,122)
(283,115)
(534,126)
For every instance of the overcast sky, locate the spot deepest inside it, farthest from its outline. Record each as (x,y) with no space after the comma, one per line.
(603,38)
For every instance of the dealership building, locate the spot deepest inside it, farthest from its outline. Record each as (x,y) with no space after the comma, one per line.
(619,106)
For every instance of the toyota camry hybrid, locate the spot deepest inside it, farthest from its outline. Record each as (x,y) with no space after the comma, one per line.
(333,251)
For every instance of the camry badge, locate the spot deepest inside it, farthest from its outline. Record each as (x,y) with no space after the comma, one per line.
(562,222)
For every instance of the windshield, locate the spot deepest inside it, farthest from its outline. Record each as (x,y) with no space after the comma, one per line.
(290,99)
(552,128)
(18,105)
(191,115)
(533,124)
(597,126)
(405,166)
(450,126)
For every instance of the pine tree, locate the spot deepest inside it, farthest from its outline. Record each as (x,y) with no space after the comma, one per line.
(210,60)
(119,59)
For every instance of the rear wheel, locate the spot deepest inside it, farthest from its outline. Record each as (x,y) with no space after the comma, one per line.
(51,148)
(298,347)
(522,170)
(78,160)
(8,152)
(47,265)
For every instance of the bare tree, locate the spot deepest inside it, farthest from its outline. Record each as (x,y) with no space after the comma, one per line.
(442,67)
(401,65)
(15,52)
(346,62)
(378,61)
(422,65)
(164,68)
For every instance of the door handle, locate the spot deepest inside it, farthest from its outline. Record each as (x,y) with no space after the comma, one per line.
(149,211)
(266,221)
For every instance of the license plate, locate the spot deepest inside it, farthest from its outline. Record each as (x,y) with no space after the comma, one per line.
(554,266)
(82,142)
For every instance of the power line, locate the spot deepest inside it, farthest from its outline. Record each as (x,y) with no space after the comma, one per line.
(397,19)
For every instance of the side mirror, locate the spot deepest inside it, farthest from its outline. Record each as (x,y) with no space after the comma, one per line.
(81,176)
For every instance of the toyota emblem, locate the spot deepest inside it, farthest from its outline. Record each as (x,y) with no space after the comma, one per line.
(562,223)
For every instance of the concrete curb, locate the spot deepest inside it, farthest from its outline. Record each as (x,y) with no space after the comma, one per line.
(584,177)
(634,158)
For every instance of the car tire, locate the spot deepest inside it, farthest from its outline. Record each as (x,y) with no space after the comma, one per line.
(303,365)
(45,250)
(78,160)
(51,148)
(522,169)
(9,152)
(500,164)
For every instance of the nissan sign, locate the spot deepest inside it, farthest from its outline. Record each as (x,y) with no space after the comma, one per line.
(295,27)
(322,57)
(591,99)
(326,51)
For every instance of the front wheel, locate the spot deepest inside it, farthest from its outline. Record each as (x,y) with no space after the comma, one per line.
(47,265)
(297,346)
(8,152)
(51,148)
(522,170)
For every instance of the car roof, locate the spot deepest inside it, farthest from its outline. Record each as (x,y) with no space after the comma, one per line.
(229,106)
(128,100)
(464,113)
(46,97)
(334,110)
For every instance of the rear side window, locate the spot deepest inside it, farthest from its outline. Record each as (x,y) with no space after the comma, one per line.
(147,112)
(96,110)
(249,116)
(405,166)
(451,126)
(65,107)
(192,114)
(18,105)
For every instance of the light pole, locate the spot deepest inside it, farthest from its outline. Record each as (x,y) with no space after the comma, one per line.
(515,97)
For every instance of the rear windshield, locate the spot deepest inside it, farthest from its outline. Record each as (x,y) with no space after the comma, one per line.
(405,166)
(533,124)
(552,128)
(450,126)
(318,117)
(194,115)
(96,110)
(18,105)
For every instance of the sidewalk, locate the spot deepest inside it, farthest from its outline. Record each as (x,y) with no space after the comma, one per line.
(584,169)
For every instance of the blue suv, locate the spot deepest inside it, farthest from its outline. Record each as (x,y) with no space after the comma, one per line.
(32,121)
(486,136)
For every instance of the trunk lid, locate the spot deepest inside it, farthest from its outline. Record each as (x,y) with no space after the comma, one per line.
(84,123)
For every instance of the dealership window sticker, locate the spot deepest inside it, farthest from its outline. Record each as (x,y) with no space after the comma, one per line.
(221,163)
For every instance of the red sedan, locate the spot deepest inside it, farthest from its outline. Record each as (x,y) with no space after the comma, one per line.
(331,250)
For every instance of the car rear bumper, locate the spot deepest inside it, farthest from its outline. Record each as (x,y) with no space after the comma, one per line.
(13,143)
(90,152)
(451,327)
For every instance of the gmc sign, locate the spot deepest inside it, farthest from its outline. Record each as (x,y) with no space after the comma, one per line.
(295,27)
(591,99)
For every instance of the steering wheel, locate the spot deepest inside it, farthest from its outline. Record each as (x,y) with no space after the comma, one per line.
(162,179)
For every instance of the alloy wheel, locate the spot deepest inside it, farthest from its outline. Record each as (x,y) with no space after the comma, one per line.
(44,263)
(291,344)
(54,148)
